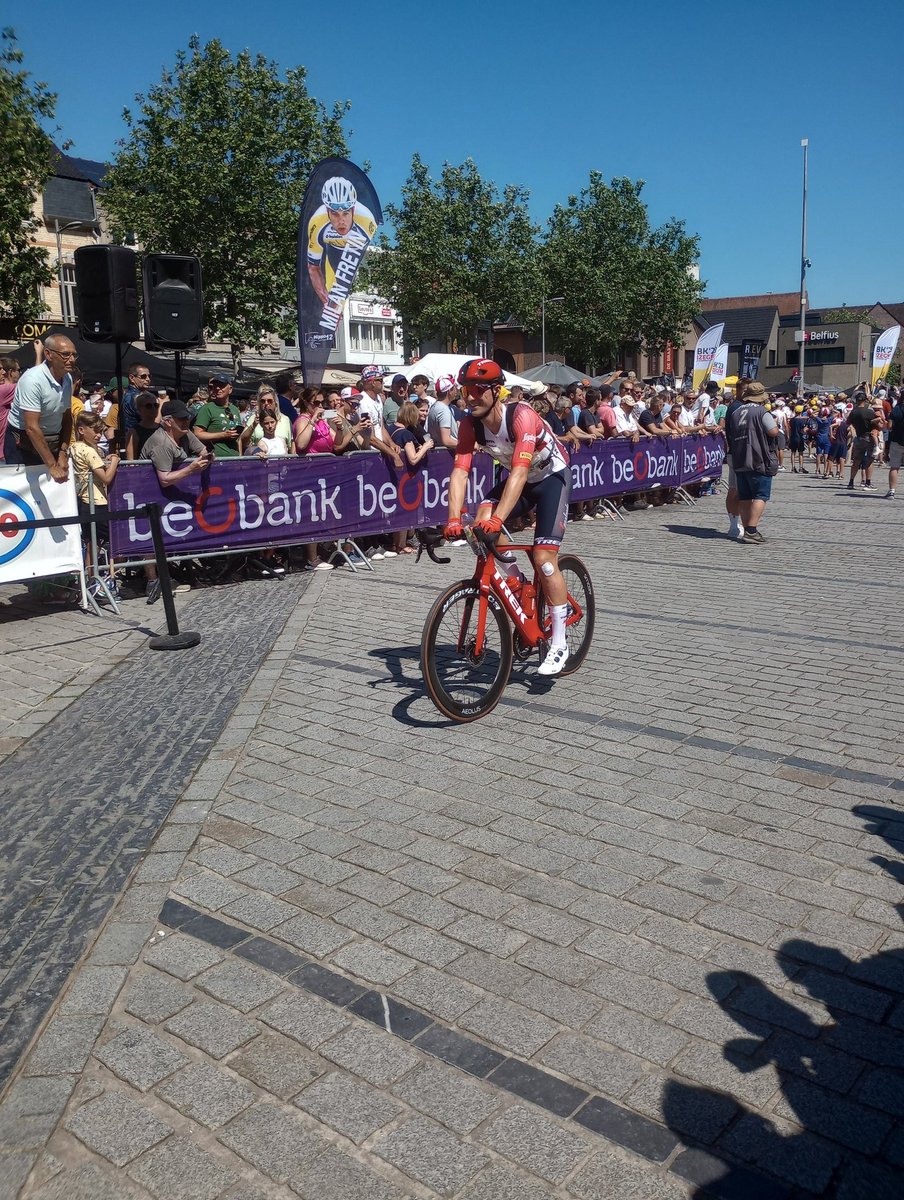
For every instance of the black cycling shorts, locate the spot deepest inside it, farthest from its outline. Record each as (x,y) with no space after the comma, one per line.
(550,498)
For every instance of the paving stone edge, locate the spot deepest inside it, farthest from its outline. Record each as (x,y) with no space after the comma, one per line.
(189,809)
(618,1126)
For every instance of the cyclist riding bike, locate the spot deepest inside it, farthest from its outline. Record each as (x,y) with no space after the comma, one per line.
(518,439)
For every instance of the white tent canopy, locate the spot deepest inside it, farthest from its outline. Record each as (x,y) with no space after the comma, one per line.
(434,365)
(555,372)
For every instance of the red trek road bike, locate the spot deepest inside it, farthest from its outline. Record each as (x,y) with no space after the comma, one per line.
(479,626)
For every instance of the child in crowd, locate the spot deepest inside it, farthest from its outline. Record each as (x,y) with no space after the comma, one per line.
(270,445)
(148,423)
(93,475)
(414,445)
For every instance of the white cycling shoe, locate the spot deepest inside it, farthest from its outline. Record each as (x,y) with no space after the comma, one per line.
(554,661)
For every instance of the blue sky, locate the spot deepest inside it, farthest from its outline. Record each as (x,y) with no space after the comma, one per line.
(706,102)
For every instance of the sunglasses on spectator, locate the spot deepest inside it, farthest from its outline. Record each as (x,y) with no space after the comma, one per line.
(216,387)
(69,355)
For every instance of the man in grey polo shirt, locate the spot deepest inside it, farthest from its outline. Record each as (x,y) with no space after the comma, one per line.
(40,417)
(174,450)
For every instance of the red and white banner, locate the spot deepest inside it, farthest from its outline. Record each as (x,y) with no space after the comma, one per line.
(719,367)
(29,494)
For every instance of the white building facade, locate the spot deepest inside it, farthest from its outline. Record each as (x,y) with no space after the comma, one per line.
(370,332)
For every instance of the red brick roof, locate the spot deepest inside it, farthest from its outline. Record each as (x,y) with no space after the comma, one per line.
(786,302)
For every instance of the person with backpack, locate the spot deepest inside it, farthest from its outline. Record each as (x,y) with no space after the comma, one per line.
(752,436)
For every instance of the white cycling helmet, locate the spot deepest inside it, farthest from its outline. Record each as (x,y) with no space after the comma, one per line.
(338,194)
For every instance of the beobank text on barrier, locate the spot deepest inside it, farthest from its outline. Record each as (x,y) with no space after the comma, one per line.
(243,503)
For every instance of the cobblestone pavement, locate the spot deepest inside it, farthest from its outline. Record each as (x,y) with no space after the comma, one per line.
(88,791)
(636,935)
(51,654)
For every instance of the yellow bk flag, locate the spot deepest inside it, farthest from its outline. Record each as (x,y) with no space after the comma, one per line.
(720,364)
(885,352)
(707,345)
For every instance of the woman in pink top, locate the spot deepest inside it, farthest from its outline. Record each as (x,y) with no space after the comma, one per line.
(313,433)
(9,377)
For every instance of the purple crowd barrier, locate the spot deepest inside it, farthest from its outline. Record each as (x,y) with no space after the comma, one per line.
(248,503)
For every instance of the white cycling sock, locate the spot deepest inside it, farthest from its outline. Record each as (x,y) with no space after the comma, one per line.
(557,615)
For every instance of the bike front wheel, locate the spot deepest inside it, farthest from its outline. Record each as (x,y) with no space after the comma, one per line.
(463,683)
(578,630)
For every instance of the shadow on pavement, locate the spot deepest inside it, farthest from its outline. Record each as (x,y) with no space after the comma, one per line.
(700,531)
(839,1064)
(403,665)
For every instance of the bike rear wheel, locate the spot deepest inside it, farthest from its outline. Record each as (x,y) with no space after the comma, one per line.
(462,684)
(578,634)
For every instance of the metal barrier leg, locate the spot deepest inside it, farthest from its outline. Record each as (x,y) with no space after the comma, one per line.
(172,639)
(364,564)
(611,509)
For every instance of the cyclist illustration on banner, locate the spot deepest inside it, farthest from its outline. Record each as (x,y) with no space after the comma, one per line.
(339,219)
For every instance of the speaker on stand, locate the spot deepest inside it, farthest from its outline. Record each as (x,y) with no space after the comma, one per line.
(173,305)
(106,283)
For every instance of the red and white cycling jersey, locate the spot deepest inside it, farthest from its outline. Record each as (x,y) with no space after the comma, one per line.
(532,443)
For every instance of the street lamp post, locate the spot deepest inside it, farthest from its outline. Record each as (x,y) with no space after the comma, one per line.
(804,263)
(551,300)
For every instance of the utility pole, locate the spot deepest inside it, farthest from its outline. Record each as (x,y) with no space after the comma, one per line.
(804,263)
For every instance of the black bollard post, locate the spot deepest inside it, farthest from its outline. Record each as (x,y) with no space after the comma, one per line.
(173,639)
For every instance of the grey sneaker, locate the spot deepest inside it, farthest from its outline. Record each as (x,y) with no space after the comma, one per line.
(753,539)
(889,495)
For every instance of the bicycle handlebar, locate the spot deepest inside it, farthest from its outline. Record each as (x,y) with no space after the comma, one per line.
(487,541)
(429,539)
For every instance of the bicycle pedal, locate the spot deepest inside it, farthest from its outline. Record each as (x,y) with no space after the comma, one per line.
(522,650)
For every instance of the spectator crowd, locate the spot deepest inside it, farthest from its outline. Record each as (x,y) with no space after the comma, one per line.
(50,416)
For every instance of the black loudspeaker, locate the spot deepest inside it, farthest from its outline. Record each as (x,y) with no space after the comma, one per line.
(106,280)
(173,302)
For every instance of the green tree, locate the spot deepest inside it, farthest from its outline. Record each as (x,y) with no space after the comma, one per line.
(462,254)
(215,164)
(839,316)
(27,155)
(624,282)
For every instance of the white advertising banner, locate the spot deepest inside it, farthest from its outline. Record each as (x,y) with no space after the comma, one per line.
(707,345)
(29,494)
(884,352)
(720,364)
